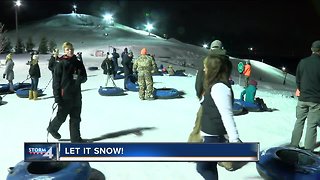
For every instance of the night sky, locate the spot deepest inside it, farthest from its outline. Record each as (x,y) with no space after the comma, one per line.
(274,28)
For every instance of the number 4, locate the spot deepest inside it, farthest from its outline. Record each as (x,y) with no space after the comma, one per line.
(48,154)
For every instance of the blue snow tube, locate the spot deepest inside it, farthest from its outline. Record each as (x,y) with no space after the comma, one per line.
(252,107)
(166,93)
(132,86)
(118,76)
(288,163)
(17,86)
(50,170)
(24,92)
(111,91)
(4,88)
(237,109)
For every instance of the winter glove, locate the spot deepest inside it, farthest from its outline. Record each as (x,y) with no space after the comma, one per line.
(4,76)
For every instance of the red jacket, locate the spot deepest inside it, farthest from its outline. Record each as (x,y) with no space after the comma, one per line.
(247,70)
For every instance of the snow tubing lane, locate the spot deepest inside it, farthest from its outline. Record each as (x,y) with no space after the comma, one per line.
(118,76)
(93,68)
(24,92)
(166,93)
(110,91)
(50,170)
(4,87)
(288,163)
(253,107)
(17,86)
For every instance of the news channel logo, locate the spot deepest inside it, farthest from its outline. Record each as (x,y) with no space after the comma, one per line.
(40,151)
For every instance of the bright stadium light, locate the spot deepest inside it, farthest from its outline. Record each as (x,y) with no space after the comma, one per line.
(74,8)
(17,4)
(149,27)
(108,18)
(205,46)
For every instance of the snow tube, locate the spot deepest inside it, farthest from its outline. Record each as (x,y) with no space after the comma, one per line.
(237,109)
(166,93)
(50,170)
(179,73)
(253,107)
(4,88)
(17,86)
(118,76)
(24,92)
(132,86)
(288,163)
(93,68)
(110,91)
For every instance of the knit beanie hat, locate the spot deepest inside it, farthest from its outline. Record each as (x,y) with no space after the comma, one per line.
(253,82)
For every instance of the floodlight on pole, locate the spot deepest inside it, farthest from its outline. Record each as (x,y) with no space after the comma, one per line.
(109,18)
(74,6)
(205,46)
(17,4)
(149,27)
(284,71)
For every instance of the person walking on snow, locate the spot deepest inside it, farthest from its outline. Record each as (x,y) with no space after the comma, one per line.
(108,69)
(145,66)
(217,117)
(126,63)
(34,72)
(69,74)
(115,57)
(8,72)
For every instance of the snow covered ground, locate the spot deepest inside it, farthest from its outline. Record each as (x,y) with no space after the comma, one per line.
(24,120)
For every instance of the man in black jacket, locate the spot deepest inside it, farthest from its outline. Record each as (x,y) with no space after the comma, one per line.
(69,73)
(308,107)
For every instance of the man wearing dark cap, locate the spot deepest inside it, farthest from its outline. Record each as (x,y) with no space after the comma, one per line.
(308,107)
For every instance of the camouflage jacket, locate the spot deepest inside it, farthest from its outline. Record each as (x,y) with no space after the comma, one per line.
(144,63)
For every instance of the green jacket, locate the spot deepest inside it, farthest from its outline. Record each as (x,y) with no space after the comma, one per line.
(250,93)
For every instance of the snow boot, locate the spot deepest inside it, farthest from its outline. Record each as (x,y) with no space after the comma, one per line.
(35,95)
(30,94)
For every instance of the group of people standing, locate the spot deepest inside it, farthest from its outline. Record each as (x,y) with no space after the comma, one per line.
(143,67)
(110,65)
(34,74)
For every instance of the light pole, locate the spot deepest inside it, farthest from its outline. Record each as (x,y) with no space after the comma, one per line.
(17,4)
(285,75)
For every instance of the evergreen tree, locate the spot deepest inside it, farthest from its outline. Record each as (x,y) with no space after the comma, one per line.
(52,45)
(7,46)
(29,44)
(3,38)
(19,46)
(43,46)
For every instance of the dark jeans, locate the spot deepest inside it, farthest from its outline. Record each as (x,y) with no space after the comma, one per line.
(127,72)
(208,170)
(68,107)
(34,84)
